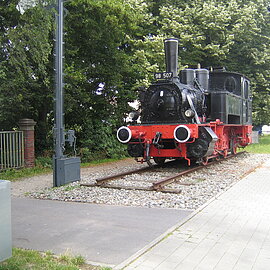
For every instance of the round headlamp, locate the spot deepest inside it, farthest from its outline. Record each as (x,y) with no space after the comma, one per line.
(123,134)
(133,115)
(189,113)
(181,133)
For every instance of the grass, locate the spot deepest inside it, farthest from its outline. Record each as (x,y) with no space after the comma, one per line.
(43,166)
(34,260)
(69,188)
(263,147)
(14,174)
(100,161)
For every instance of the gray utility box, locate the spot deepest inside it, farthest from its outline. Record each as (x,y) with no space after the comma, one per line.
(5,221)
(255,137)
(66,170)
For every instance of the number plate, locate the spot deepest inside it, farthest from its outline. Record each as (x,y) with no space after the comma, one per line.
(163,75)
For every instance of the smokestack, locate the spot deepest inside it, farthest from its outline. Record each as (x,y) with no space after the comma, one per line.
(171,55)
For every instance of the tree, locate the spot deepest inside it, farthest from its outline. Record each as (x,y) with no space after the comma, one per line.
(100,76)
(27,72)
(230,33)
(9,15)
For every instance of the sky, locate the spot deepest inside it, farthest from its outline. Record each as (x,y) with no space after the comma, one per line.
(23,5)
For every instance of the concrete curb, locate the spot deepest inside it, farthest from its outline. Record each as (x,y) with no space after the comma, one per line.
(178,225)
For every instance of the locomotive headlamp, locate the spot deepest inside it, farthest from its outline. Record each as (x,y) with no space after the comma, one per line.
(133,115)
(181,133)
(123,134)
(189,113)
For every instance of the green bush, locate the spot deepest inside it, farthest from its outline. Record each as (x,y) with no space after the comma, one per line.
(43,162)
(100,142)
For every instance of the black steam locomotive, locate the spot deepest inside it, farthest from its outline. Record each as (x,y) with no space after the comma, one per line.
(196,115)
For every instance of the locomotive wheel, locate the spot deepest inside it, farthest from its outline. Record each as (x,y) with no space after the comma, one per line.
(233,147)
(234,150)
(159,160)
(204,161)
(149,163)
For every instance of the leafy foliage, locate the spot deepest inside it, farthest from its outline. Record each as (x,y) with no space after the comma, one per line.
(229,33)
(27,72)
(99,82)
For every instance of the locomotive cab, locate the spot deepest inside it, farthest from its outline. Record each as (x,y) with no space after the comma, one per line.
(230,97)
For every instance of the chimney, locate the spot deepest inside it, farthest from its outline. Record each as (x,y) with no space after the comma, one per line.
(171,55)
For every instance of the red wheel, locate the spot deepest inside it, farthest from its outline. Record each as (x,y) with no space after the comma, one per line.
(159,160)
(233,147)
(149,163)
(204,161)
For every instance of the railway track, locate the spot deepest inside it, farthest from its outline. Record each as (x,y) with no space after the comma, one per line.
(160,185)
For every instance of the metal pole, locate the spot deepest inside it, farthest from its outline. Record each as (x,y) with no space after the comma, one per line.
(58,110)
(65,169)
(59,118)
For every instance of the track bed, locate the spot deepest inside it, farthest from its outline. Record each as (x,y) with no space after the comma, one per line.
(154,178)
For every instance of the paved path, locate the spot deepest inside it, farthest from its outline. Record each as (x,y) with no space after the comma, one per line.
(232,232)
(101,233)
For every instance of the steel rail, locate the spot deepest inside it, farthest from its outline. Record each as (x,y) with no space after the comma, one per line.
(166,181)
(101,181)
(156,186)
(106,179)
(164,190)
(159,185)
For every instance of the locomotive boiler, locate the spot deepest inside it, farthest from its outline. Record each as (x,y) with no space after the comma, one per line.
(196,115)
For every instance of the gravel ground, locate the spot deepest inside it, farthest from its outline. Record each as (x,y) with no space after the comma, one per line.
(207,183)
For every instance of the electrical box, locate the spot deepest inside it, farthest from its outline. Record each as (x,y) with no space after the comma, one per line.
(5,221)
(255,137)
(66,170)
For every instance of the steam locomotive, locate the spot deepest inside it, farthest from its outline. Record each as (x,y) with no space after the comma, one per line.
(197,115)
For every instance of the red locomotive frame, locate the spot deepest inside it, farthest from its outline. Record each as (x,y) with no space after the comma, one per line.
(229,137)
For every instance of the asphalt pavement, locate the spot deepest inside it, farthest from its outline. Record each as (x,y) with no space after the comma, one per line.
(101,233)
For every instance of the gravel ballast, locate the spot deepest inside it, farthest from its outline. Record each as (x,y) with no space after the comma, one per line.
(208,182)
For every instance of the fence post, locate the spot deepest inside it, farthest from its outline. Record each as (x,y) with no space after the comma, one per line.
(28,127)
